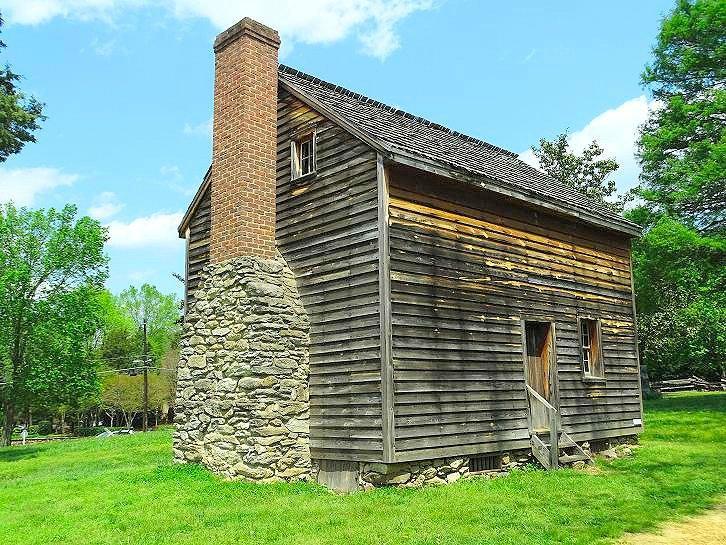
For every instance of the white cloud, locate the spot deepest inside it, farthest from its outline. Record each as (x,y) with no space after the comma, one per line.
(529,158)
(157,231)
(105,206)
(33,12)
(312,21)
(616,130)
(200,129)
(22,185)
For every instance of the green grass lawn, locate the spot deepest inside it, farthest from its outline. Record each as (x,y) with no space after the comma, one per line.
(126,490)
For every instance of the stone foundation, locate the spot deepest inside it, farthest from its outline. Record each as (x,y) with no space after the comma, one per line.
(242,405)
(430,472)
(352,476)
(610,449)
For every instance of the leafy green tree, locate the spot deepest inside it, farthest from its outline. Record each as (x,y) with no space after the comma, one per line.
(161,313)
(682,146)
(120,342)
(51,264)
(587,172)
(19,115)
(59,370)
(123,393)
(679,278)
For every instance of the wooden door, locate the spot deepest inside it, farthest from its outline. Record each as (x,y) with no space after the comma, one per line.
(539,351)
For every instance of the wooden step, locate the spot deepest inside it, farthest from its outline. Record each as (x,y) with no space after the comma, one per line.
(561,444)
(571,458)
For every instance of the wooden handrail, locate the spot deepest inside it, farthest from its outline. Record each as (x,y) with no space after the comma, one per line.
(554,450)
(540,398)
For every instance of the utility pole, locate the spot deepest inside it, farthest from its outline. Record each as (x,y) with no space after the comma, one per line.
(146,380)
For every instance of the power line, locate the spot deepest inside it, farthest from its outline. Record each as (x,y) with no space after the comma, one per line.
(118,358)
(137,368)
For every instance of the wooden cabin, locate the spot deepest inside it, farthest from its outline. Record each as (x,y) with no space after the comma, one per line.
(461,302)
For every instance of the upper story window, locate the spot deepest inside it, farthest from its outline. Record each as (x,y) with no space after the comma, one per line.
(591,348)
(303,155)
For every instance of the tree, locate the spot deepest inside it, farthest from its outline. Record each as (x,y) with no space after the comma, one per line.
(682,147)
(51,264)
(170,366)
(679,276)
(161,394)
(161,313)
(587,173)
(60,368)
(123,393)
(120,342)
(19,115)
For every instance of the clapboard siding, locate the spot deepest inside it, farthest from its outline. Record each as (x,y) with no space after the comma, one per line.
(466,268)
(198,242)
(327,231)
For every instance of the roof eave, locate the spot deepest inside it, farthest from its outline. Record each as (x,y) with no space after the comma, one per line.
(497,186)
(182,229)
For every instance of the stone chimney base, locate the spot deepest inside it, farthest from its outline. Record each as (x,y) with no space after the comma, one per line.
(242,406)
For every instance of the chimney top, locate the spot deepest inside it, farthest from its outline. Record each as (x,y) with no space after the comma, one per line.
(247,27)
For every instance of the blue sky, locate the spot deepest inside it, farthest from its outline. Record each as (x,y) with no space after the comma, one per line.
(128,89)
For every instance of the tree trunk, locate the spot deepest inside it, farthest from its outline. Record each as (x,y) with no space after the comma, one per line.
(9,411)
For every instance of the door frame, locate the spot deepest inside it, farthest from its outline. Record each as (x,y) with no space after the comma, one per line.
(554,390)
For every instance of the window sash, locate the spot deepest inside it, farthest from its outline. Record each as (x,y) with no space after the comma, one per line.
(306,157)
(590,348)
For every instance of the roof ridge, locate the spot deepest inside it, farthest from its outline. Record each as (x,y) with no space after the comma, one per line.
(284,69)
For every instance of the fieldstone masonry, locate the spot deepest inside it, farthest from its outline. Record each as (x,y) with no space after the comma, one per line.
(242,392)
(430,472)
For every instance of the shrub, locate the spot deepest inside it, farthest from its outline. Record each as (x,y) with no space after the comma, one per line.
(43,428)
(90,431)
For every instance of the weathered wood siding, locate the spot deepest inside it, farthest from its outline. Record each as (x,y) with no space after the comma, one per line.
(327,232)
(198,243)
(466,268)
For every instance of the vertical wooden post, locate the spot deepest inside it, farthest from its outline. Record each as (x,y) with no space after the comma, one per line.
(186,270)
(555,384)
(146,383)
(635,333)
(554,440)
(384,294)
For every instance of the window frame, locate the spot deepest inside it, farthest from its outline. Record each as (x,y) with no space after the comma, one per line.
(296,159)
(593,351)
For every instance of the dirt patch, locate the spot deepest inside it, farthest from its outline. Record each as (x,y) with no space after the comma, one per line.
(706,529)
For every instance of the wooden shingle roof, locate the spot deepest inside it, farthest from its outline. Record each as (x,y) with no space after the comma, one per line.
(413,140)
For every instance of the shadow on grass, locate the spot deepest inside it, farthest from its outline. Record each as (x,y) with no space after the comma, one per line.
(690,401)
(13,454)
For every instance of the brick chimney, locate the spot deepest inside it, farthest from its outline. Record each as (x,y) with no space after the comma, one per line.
(242,406)
(244,142)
